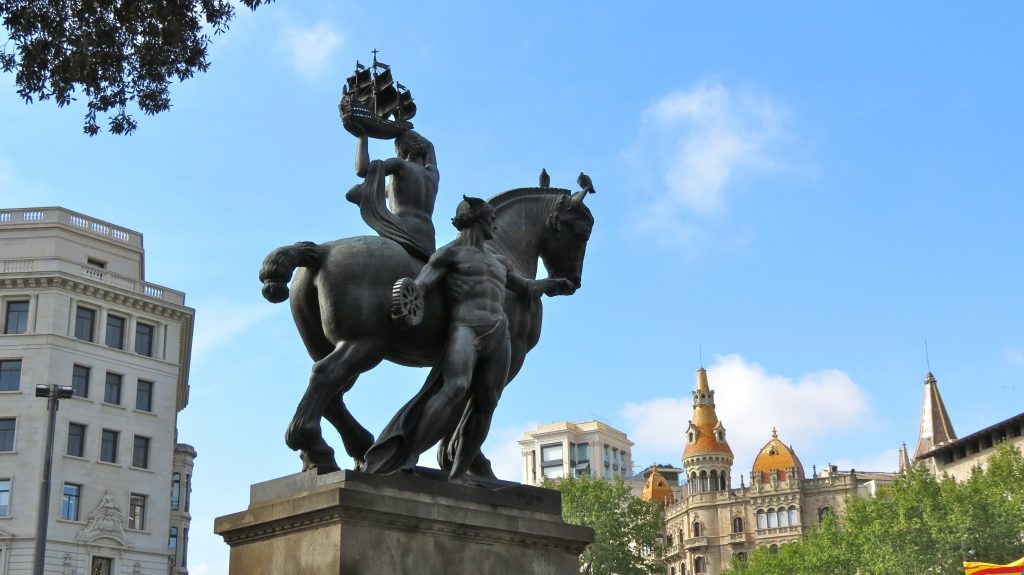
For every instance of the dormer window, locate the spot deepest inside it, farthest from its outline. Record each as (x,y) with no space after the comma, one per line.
(97,263)
(693,437)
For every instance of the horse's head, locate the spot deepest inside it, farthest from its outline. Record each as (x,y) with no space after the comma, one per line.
(566,232)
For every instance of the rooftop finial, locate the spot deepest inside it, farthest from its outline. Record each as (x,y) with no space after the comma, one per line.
(927,359)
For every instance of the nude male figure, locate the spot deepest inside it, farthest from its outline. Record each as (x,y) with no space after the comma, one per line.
(475,363)
(411,187)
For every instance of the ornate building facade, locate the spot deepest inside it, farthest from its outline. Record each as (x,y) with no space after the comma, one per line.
(77,311)
(708,523)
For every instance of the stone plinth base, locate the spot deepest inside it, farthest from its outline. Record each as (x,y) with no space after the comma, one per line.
(349,523)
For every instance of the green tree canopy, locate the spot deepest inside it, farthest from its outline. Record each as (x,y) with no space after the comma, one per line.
(625,526)
(922,525)
(111,51)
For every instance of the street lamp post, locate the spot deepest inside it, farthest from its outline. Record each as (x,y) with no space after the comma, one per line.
(53,395)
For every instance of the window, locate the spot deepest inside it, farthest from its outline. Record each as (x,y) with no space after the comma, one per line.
(137,512)
(172,543)
(16,320)
(698,529)
(741,555)
(140,452)
(773,519)
(175,490)
(69,503)
(108,446)
(112,389)
(794,517)
(7,434)
(184,541)
(144,339)
(85,320)
(551,461)
(823,513)
(737,525)
(144,395)
(102,566)
(96,263)
(10,375)
(188,497)
(699,564)
(76,440)
(115,331)
(583,453)
(80,381)
(773,549)
(5,499)
(762,520)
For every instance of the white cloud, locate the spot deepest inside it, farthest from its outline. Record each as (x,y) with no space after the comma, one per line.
(887,460)
(311,48)
(695,143)
(219,321)
(750,402)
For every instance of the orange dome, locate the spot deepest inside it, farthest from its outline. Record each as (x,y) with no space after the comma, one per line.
(776,456)
(706,434)
(657,488)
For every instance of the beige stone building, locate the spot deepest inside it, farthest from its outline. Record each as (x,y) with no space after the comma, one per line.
(566,449)
(76,310)
(942,452)
(708,523)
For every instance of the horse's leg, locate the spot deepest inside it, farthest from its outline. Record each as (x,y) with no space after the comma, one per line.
(332,376)
(354,436)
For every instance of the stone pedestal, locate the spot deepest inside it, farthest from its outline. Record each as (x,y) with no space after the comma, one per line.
(349,523)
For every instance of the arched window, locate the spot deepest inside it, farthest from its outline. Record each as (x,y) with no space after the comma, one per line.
(794,516)
(741,555)
(773,549)
(714,480)
(697,529)
(762,519)
(699,565)
(694,484)
(704,482)
(783,517)
(723,485)
(737,525)
(773,519)
(824,512)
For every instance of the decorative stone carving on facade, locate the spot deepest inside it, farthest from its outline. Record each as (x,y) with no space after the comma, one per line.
(105,521)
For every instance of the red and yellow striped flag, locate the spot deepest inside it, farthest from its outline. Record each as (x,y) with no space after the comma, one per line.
(1015,568)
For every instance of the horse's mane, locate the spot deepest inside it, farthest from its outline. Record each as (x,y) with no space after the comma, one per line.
(500,200)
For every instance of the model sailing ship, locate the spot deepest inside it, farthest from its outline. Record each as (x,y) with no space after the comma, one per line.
(373,101)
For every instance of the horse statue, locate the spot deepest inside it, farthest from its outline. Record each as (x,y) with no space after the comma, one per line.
(341,301)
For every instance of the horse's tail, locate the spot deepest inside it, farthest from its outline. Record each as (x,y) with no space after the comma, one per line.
(281,263)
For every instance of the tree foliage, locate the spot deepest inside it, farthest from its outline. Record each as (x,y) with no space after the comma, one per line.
(113,52)
(625,526)
(923,525)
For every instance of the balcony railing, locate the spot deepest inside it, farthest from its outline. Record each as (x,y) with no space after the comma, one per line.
(774,531)
(737,537)
(694,542)
(43,265)
(74,219)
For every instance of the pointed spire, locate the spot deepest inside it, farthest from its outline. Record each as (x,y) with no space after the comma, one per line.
(936,428)
(702,381)
(707,431)
(904,458)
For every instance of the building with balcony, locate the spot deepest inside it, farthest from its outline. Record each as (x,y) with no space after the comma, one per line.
(76,310)
(708,523)
(567,449)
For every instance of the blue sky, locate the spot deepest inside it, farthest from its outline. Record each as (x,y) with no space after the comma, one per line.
(805,193)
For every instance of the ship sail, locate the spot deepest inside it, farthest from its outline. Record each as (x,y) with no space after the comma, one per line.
(387,101)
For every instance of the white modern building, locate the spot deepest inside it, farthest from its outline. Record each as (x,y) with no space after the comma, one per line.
(567,449)
(75,310)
